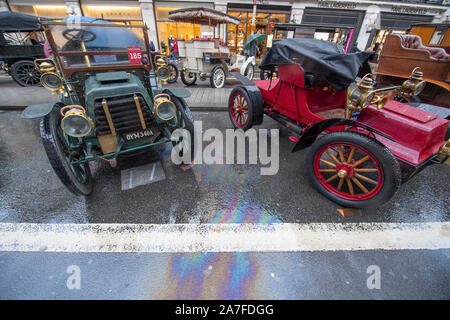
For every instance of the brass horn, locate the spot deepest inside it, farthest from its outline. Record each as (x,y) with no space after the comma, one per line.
(380,100)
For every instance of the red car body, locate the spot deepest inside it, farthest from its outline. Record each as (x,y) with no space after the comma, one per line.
(418,134)
(413,136)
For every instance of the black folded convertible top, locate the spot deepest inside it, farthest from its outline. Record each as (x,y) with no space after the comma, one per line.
(324,59)
(17,22)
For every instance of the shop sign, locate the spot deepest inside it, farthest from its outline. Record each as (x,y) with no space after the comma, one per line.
(134,55)
(416,10)
(337,4)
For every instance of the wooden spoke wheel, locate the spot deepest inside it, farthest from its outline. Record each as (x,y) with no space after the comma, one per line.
(240,109)
(353,169)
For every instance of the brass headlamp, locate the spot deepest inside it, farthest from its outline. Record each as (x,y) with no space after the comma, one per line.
(162,71)
(414,85)
(360,97)
(444,153)
(164,108)
(50,78)
(75,123)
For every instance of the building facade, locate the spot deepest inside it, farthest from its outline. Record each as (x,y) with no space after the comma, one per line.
(364,22)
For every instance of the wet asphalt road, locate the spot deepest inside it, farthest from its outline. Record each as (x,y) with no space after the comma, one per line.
(31,192)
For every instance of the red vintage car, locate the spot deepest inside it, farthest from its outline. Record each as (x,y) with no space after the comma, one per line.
(364,141)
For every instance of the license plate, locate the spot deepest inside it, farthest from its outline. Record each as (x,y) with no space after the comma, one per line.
(137,135)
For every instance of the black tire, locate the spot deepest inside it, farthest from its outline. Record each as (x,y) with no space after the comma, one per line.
(249,72)
(25,73)
(386,186)
(235,120)
(190,80)
(218,77)
(186,121)
(173,73)
(55,153)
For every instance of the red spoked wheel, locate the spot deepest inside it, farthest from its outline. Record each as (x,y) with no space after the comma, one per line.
(353,169)
(240,109)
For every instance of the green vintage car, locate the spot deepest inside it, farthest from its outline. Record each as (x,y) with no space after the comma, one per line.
(112,98)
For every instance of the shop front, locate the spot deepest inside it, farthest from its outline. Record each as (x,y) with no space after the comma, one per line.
(338,34)
(53,9)
(265,19)
(339,25)
(169,30)
(123,12)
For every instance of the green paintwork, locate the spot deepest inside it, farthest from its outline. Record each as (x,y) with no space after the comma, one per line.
(99,86)
(109,84)
(179,92)
(37,110)
(112,155)
(96,90)
(112,76)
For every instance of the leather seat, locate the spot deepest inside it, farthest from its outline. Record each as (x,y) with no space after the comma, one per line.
(410,41)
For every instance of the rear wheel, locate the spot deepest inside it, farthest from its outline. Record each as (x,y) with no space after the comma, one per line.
(25,73)
(77,178)
(173,73)
(188,78)
(240,109)
(353,169)
(218,77)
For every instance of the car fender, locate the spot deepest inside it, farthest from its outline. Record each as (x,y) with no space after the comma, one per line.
(311,133)
(178,92)
(254,95)
(39,110)
(246,63)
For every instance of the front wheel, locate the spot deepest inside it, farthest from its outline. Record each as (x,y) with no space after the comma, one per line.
(188,78)
(353,170)
(186,121)
(218,77)
(76,177)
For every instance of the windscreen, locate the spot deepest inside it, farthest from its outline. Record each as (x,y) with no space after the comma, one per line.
(104,39)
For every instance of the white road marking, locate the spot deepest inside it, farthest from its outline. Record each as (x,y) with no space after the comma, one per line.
(153,172)
(142,175)
(170,238)
(130,183)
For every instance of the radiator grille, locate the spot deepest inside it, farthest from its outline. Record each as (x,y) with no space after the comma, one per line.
(124,114)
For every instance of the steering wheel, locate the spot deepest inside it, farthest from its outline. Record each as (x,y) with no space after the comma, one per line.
(79,35)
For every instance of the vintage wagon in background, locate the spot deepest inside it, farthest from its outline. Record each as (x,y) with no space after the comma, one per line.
(206,57)
(21,41)
(363,141)
(112,102)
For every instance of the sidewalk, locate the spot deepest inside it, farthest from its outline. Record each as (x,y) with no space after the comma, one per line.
(203,98)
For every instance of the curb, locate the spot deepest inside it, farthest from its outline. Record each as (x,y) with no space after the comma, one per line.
(220,108)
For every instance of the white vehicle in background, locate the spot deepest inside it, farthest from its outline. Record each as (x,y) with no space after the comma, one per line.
(205,58)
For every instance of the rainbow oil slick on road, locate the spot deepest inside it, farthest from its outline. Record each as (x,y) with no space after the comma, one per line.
(206,275)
